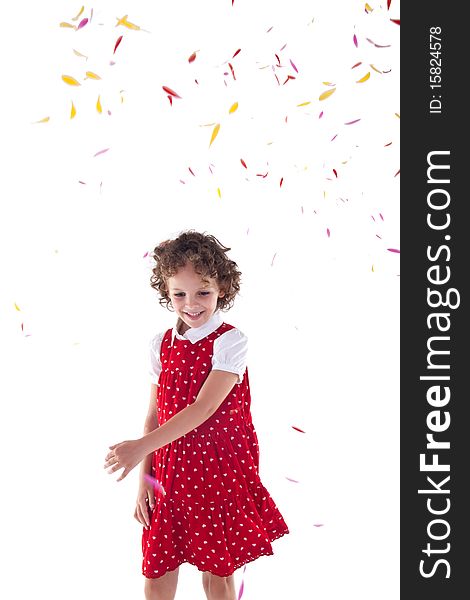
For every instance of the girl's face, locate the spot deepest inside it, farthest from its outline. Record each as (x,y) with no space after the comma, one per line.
(193,299)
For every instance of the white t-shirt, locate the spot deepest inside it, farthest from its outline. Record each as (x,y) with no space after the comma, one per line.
(230,349)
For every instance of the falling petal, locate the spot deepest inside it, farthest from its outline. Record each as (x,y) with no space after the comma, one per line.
(125,23)
(272,262)
(278,61)
(280,183)
(82,23)
(397,115)
(388,4)
(397,173)
(376,70)
(328,232)
(389,144)
(155,482)
(356,65)
(334,137)
(396,21)
(233,108)
(218,192)
(237,52)
(118,41)
(293,66)
(318,524)
(327,94)
(365,78)
(293,480)
(192,58)
(69,80)
(377,45)
(336,174)
(215,131)
(355,40)
(233,72)
(98,105)
(79,14)
(17,307)
(170,98)
(297,429)
(170,91)
(45,120)
(91,75)
(270,29)
(372,268)
(329,83)
(67,25)
(380,214)
(100,152)
(304,104)
(243,163)
(77,53)
(73,111)
(352,122)
(191,171)
(320,115)
(393,250)
(368,8)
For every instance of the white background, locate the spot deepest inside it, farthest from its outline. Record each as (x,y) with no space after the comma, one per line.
(321,311)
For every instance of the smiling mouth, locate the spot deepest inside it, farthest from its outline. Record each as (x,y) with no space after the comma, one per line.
(194,315)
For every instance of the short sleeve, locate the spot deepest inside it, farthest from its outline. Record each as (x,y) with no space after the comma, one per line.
(155,365)
(230,352)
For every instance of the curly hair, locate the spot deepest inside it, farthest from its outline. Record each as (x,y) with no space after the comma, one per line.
(208,257)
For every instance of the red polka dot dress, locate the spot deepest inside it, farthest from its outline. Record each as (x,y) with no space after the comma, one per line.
(216,514)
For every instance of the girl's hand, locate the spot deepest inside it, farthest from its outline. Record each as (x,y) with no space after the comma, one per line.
(125,455)
(145,503)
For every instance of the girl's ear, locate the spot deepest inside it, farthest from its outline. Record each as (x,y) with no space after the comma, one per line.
(221,294)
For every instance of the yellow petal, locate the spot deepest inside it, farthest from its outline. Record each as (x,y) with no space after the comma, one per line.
(214,133)
(77,53)
(91,75)
(372,268)
(368,8)
(233,108)
(365,78)
(375,69)
(73,111)
(69,80)
(327,94)
(218,192)
(68,25)
(328,83)
(397,115)
(304,103)
(45,120)
(98,105)
(78,16)
(17,307)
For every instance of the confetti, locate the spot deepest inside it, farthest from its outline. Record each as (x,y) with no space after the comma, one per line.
(393,250)
(356,65)
(318,524)
(79,14)
(280,183)
(396,21)
(297,429)
(69,80)
(303,104)
(233,108)
(156,483)
(214,133)
(397,173)
(288,77)
(233,72)
(100,152)
(91,75)
(219,193)
(191,171)
(335,172)
(98,105)
(272,262)
(118,41)
(82,23)
(243,163)
(380,214)
(67,25)
(17,307)
(192,58)
(45,120)
(170,91)
(293,480)
(376,70)
(365,78)
(368,8)
(320,115)
(237,52)
(328,232)
(352,122)
(73,111)
(355,40)
(327,94)
(293,66)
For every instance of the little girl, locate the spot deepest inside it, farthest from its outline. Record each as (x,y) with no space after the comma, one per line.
(200,496)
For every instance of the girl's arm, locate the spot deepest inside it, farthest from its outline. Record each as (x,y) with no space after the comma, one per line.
(151,423)
(128,454)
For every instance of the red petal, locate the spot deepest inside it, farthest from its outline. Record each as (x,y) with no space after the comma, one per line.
(117,43)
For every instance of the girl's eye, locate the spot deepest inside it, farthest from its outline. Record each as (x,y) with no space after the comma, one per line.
(204,293)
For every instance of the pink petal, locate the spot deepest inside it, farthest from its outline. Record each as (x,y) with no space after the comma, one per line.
(393,250)
(293,66)
(82,23)
(355,40)
(101,152)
